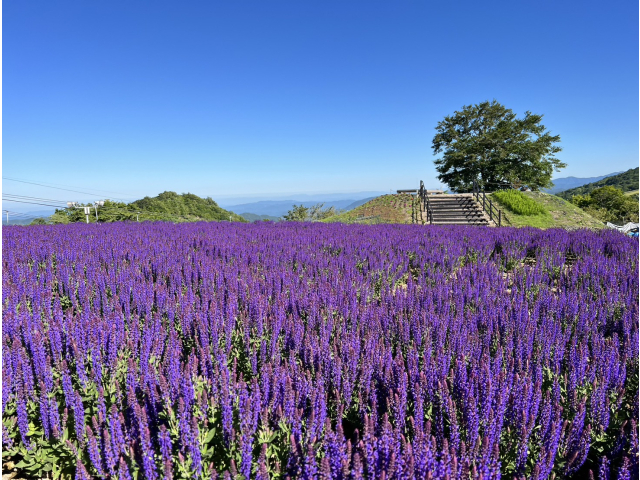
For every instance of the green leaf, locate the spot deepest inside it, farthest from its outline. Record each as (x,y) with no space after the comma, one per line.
(210,435)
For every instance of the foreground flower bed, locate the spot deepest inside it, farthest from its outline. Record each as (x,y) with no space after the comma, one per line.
(319,351)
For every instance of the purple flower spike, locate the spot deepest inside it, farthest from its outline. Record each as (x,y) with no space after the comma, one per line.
(81,472)
(123,471)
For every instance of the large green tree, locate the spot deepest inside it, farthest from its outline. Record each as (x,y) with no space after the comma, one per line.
(488,143)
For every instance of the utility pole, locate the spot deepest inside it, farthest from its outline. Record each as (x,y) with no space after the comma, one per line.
(87,210)
(96,204)
(137,216)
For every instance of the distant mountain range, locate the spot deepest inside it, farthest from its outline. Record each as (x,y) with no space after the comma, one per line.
(562,184)
(625,181)
(278,208)
(226,201)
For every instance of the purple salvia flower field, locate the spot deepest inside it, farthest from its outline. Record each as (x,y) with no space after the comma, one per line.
(273,351)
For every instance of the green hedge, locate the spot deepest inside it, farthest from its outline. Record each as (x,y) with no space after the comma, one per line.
(518,203)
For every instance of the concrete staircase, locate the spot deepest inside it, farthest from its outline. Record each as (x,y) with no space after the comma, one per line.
(458,209)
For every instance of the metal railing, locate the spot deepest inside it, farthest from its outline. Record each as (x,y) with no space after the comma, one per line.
(495,214)
(424,203)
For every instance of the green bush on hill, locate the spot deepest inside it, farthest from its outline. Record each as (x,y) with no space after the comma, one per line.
(517,202)
(186,204)
(609,204)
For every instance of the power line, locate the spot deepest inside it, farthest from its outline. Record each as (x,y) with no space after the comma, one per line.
(26,197)
(57,188)
(19,214)
(32,203)
(63,185)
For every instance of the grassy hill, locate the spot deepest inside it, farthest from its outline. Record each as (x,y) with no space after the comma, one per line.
(187,204)
(167,206)
(626,181)
(397,209)
(394,208)
(558,214)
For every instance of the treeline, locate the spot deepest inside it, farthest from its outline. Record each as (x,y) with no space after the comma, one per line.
(167,206)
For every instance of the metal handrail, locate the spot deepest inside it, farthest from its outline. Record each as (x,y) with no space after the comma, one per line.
(424,197)
(486,202)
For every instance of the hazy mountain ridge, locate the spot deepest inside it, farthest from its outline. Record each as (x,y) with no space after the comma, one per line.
(625,181)
(566,183)
(226,201)
(278,208)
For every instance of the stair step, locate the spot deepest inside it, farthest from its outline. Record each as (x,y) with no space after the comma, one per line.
(471,210)
(453,218)
(456,210)
(479,224)
(463,220)
(459,220)
(453,205)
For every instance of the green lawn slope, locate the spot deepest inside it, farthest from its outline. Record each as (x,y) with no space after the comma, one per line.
(394,208)
(397,209)
(559,214)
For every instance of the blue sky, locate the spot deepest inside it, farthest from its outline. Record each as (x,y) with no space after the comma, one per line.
(245,98)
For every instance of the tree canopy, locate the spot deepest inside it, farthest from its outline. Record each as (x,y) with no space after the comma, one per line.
(487,143)
(315,213)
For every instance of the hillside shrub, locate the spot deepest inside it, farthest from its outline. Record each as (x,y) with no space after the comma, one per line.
(517,202)
(314,213)
(609,204)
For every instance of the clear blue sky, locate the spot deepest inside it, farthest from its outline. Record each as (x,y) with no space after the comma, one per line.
(237,97)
